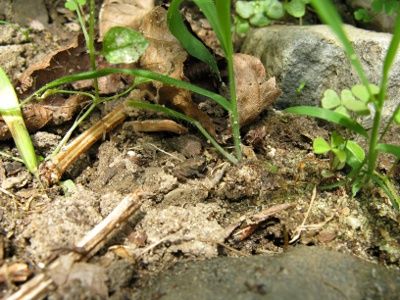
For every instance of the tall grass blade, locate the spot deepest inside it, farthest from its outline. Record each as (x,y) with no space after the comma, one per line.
(388,148)
(188,41)
(177,115)
(328,115)
(328,13)
(12,115)
(134,72)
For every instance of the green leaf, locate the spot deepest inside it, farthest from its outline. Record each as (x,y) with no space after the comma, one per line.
(122,45)
(356,150)
(275,10)
(244,9)
(330,100)
(241,27)
(295,8)
(342,110)
(329,116)
(191,44)
(388,148)
(362,15)
(74,4)
(377,5)
(259,20)
(340,154)
(320,146)
(397,117)
(352,104)
(336,140)
(361,92)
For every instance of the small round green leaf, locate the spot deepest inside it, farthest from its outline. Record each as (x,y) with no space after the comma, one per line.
(361,92)
(397,117)
(245,9)
(296,8)
(242,27)
(336,140)
(340,154)
(330,100)
(320,146)
(73,4)
(342,110)
(275,10)
(123,45)
(356,150)
(374,89)
(259,20)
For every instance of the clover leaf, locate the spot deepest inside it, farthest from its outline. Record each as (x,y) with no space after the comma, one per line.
(74,4)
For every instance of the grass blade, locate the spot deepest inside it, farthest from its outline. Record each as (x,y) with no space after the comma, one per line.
(328,115)
(12,115)
(388,148)
(328,13)
(177,115)
(187,40)
(134,72)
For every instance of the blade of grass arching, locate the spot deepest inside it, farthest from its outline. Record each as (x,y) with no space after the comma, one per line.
(12,115)
(387,64)
(209,9)
(387,187)
(328,13)
(177,115)
(388,148)
(328,115)
(188,41)
(133,72)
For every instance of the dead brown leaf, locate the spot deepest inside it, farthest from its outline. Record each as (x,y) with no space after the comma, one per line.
(254,93)
(126,13)
(14,272)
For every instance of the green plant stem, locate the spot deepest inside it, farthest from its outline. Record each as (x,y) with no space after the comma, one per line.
(387,126)
(372,152)
(234,111)
(91,48)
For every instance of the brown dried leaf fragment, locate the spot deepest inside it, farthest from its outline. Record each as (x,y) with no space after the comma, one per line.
(126,13)
(156,126)
(254,93)
(165,55)
(15,272)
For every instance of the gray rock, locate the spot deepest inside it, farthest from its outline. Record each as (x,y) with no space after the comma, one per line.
(312,55)
(304,273)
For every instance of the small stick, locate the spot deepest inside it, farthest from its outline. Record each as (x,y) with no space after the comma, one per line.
(156,126)
(93,240)
(52,169)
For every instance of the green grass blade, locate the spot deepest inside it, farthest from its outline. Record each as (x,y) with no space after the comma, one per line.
(12,115)
(177,115)
(330,116)
(209,9)
(388,148)
(188,41)
(387,187)
(135,72)
(328,13)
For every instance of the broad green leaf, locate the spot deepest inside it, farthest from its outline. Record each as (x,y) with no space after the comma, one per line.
(374,89)
(356,106)
(245,9)
(188,41)
(347,96)
(73,4)
(320,146)
(275,10)
(340,154)
(329,116)
(122,45)
(356,150)
(295,8)
(336,140)
(330,100)
(259,20)
(388,148)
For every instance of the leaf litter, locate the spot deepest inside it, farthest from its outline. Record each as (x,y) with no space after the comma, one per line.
(196,213)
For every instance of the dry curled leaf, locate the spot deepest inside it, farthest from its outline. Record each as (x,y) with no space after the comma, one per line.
(254,93)
(156,126)
(126,13)
(165,55)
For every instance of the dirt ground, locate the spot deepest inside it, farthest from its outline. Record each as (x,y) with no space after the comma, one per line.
(193,199)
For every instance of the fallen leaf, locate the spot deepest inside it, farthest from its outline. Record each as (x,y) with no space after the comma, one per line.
(254,93)
(126,13)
